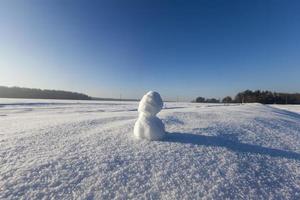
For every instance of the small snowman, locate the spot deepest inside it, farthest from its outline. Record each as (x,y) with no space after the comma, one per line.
(148,126)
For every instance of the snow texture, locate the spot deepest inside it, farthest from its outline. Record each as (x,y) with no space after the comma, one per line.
(292,108)
(148,126)
(60,149)
(151,104)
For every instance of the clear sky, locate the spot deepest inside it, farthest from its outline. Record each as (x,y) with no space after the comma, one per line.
(208,48)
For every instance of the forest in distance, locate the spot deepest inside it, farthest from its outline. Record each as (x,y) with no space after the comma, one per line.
(257,96)
(247,96)
(32,93)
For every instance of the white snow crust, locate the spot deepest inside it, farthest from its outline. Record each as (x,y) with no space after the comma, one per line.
(52,149)
(292,108)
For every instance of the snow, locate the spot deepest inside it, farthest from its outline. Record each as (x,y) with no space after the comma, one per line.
(86,150)
(292,108)
(148,126)
(151,104)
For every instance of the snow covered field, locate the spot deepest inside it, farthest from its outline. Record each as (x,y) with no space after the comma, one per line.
(292,108)
(86,150)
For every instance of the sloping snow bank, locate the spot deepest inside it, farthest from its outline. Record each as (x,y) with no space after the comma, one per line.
(87,151)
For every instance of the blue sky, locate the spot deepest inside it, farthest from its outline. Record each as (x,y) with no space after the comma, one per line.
(181,49)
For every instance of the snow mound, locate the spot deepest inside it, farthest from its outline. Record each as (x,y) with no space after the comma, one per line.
(148,126)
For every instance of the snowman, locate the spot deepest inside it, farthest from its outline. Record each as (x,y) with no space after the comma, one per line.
(148,126)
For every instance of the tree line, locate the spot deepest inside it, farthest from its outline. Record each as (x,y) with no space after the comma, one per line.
(257,96)
(30,93)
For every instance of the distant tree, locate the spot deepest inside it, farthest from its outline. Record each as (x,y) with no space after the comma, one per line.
(239,98)
(227,99)
(212,100)
(200,99)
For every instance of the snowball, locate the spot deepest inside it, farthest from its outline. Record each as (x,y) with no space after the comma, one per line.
(148,126)
(151,103)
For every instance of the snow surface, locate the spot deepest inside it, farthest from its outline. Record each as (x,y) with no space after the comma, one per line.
(292,108)
(148,126)
(86,150)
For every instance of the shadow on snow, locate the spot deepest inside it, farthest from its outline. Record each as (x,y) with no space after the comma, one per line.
(187,138)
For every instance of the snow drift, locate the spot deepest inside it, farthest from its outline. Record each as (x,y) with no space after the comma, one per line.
(66,149)
(148,126)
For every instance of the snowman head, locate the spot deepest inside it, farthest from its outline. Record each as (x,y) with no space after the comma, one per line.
(150,104)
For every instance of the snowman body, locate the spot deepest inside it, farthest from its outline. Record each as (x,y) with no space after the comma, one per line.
(149,126)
